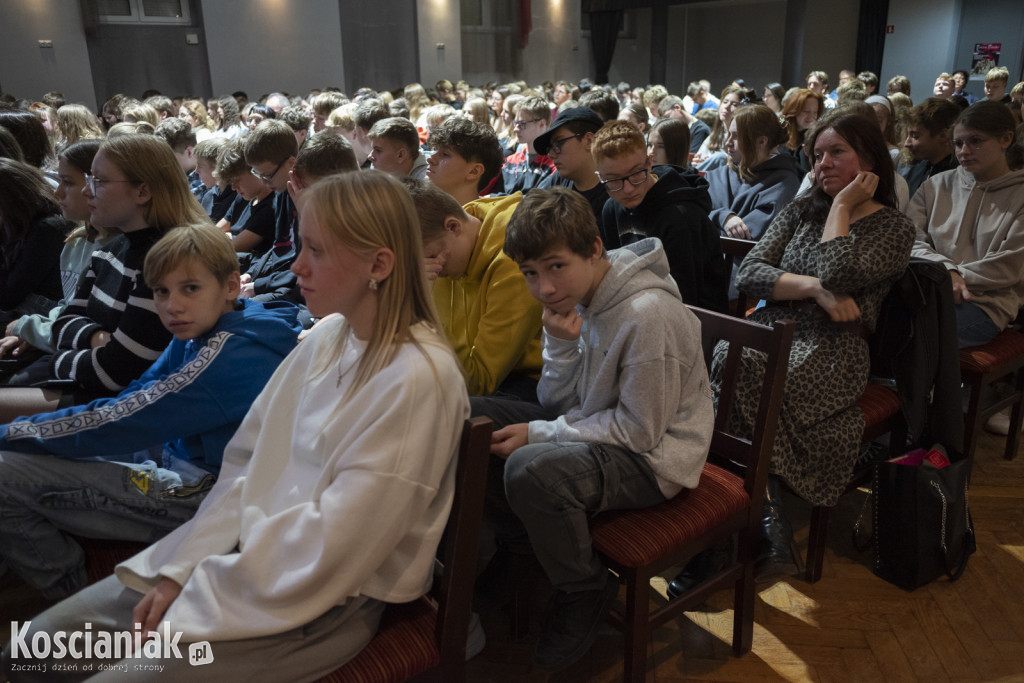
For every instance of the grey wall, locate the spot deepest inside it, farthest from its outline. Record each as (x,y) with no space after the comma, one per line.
(131,59)
(26,70)
(724,41)
(439,25)
(260,46)
(727,39)
(379,42)
(921,45)
(996,21)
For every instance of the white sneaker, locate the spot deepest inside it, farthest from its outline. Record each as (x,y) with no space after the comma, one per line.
(1000,423)
(476,641)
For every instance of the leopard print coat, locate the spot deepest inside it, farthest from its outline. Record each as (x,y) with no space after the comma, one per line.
(820,425)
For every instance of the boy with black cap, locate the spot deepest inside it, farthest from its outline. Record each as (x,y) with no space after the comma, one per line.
(567,143)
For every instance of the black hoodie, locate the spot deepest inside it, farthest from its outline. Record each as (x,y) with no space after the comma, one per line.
(676,211)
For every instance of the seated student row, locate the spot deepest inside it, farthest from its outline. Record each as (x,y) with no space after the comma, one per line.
(274,172)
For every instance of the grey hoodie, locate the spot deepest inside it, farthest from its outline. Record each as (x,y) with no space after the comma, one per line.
(976,229)
(636,377)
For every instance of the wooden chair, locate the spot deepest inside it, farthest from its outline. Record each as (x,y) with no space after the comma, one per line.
(429,635)
(734,250)
(980,366)
(881,409)
(638,544)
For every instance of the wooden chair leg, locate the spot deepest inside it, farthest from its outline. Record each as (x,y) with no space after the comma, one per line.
(519,616)
(743,600)
(816,538)
(1016,416)
(972,421)
(635,618)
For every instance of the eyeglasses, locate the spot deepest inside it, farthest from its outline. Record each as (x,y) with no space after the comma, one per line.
(973,142)
(94,183)
(556,145)
(522,124)
(616,184)
(267,178)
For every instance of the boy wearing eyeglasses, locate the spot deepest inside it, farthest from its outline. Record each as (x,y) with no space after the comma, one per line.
(661,202)
(526,168)
(568,143)
(624,421)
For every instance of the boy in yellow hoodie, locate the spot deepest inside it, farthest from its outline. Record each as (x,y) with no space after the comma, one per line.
(487,311)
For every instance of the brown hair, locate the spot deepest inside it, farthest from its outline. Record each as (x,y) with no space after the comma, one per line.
(547,219)
(433,207)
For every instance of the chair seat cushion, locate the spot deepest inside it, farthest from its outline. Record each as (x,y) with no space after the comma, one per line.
(101,556)
(634,538)
(1006,347)
(403,647)
(878,404)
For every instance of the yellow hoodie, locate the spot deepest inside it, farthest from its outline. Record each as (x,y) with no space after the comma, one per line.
(488,314)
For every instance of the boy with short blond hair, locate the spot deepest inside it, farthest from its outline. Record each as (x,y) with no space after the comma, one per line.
(140,463)
(395,148)
(625,416)
(526,168)
(661,202)
(996,80)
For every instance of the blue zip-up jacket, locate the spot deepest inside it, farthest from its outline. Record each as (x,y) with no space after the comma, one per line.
(191,400)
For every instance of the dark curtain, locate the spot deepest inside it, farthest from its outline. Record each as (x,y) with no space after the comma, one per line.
(604,30)
(871,35)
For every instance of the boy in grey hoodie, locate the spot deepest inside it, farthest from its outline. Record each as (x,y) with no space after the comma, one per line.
(625,415)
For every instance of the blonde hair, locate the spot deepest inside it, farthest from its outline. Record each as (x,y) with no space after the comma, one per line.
(341,118)
(367,211)
(196,242)
(476,109)
(198,110)
(77,123)
(140,111)
(148,159)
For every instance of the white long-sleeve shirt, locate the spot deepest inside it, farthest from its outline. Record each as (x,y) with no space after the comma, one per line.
(321,497)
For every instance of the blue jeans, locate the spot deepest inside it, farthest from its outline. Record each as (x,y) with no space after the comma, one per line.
(973,326)
(44,499)
(550,491)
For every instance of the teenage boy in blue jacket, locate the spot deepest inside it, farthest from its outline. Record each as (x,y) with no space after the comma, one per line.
(135,466)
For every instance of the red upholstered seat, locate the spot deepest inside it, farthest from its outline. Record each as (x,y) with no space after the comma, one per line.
(877,403)
(101,556)
(404,646)
(981,366)
(1007,346)
(635,540)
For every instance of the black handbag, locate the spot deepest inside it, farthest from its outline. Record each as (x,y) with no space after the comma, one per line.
(922,524)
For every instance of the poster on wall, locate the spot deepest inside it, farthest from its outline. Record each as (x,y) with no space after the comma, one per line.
(986,56)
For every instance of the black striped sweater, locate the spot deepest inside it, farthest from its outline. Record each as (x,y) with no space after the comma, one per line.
(111,296)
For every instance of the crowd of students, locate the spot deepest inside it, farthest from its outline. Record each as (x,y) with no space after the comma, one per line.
(248,332)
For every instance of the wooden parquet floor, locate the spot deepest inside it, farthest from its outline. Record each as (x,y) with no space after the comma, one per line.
(850,626)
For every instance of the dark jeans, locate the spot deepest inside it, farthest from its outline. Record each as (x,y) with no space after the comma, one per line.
(541,499)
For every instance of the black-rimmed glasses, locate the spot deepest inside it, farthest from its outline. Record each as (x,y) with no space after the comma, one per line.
(267,178)
(556,145)
(616,184)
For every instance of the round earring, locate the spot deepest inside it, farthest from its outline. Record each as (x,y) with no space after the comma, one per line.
(373,283)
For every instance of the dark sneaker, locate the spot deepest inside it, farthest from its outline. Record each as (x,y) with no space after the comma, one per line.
(570,625)
(700,568)
(505,574)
